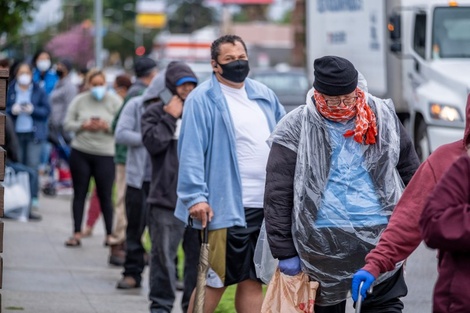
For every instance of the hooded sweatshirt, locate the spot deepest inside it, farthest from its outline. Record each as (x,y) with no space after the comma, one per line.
(445,226)
(160,138)
(402,235)
(128,133)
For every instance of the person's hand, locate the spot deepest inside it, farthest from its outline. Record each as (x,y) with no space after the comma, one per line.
(27,108)
(290,266)
(103,125)
(361,276)
(174,107)
(16,109)
(201,211)
(92,124)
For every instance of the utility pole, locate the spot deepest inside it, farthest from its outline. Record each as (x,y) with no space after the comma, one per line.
(298,22)
(98,33)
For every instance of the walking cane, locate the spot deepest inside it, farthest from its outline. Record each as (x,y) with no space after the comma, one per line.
(359,297)
(202,269)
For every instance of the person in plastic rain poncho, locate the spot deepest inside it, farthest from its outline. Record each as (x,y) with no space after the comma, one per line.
(336,169)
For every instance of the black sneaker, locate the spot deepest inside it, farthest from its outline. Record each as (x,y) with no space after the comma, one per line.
(35,217)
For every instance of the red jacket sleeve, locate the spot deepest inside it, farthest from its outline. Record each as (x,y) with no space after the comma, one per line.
(445,222)
(402,235)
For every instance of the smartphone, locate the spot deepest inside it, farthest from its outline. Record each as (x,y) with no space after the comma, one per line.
(166,96)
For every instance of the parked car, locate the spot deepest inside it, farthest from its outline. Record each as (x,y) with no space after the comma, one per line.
(290,84)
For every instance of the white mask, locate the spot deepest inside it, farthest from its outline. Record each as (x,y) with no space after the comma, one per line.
(24,79)
(43,65)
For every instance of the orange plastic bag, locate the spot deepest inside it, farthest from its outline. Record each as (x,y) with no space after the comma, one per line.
(290,294)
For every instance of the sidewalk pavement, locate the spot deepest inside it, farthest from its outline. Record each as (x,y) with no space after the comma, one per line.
(41,275)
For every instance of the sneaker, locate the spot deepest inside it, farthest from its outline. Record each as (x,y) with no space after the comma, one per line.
(35,203)
(127,282)
(35,217)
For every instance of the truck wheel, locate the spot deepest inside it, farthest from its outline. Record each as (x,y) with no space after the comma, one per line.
(422,141)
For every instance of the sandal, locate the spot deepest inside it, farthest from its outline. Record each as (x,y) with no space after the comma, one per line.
(73,242)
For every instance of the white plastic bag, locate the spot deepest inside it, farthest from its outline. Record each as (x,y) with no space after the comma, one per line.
(17,196)
(265,263)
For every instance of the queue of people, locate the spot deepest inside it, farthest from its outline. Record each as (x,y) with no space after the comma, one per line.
(337,181)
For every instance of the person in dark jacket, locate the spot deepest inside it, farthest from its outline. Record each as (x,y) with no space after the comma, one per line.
(46,77)
(445,225)
(11,147)
(28,105)
(160,131)
(43,73)
(336,169)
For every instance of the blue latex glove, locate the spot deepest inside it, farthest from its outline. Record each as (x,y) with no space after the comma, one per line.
(367,278)
(290,266)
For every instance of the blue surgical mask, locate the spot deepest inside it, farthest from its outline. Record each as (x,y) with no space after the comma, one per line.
(98,92)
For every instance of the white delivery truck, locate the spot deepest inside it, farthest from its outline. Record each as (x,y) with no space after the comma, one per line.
(416,52)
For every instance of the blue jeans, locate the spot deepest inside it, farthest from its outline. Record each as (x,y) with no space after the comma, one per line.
(29,150)
(166,232)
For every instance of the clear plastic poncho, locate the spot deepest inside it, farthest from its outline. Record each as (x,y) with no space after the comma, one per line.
(332,250)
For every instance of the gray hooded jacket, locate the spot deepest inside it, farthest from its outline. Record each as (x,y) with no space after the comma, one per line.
(128,132)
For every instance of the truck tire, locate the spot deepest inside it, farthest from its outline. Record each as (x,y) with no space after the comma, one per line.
(421,141)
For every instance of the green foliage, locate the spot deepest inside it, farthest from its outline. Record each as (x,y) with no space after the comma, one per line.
(14,12)
(189,17)
(286,18)
(251,12)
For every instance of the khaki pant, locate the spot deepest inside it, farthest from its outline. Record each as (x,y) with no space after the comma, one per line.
(120,220)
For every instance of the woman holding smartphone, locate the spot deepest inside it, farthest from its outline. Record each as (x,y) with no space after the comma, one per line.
(28,105)
(90,116)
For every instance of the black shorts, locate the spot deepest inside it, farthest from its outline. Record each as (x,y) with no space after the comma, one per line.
(231,251)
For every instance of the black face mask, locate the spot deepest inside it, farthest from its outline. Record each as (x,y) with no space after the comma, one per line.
(60,73)
(235,71)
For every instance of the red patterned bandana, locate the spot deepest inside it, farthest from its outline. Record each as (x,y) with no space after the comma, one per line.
(366,124)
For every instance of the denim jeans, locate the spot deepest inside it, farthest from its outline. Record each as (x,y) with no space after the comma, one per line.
(136,213)
(29,150)
(166,232)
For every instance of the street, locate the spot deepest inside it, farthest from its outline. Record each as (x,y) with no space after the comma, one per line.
(41,275)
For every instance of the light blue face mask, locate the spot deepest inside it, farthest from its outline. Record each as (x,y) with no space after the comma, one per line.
(98,92)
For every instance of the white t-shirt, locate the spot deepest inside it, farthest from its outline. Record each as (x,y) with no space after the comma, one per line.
(251,132)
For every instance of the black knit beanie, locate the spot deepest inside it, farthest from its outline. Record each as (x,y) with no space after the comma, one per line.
(334,76)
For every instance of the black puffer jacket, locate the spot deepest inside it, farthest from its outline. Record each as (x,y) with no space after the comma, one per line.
(158,136)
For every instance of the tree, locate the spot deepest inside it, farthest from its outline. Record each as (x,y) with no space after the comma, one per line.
(14,12)
(190,16)
(75,44)
(252,12)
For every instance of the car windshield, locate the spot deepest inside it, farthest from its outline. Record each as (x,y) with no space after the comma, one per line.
(451,35)
(284,83)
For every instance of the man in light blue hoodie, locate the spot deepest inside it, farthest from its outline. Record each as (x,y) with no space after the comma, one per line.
(223,152)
